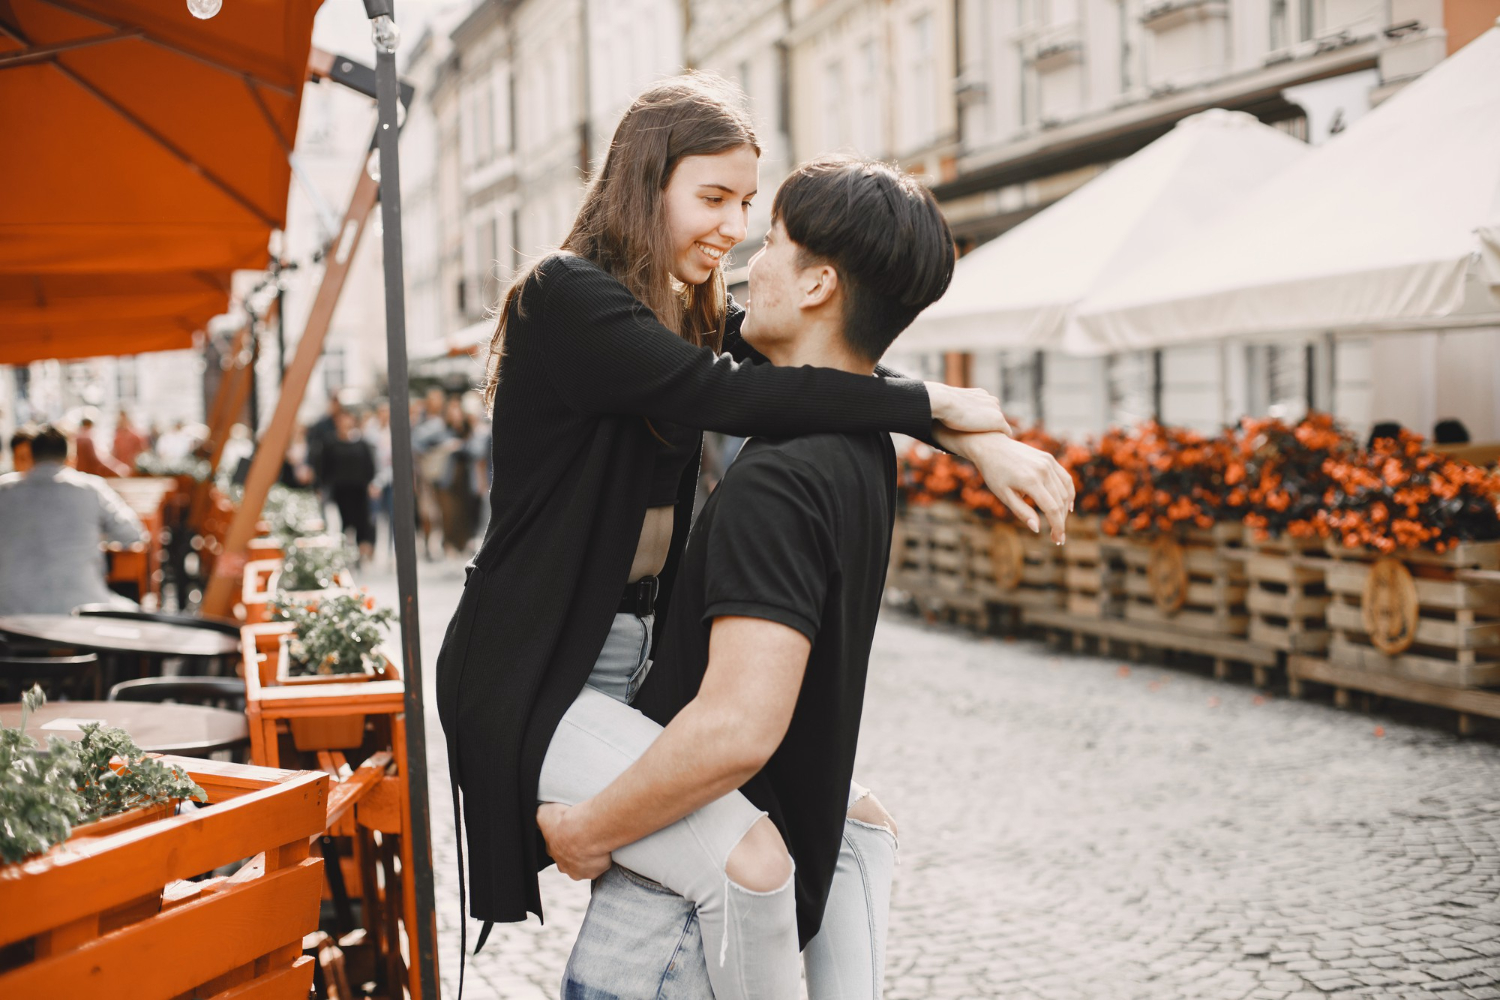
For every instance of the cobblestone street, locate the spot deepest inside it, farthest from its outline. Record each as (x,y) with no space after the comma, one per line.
(1075,828)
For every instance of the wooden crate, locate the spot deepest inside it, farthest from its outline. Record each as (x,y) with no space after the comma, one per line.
(1450,613)
(1011,566)
(1093,574)
(113,915)
(1193,581)
(1288,600)
(932,558)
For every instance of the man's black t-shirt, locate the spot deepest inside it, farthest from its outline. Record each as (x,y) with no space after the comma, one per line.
(799,533)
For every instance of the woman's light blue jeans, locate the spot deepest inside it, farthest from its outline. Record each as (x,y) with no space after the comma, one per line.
(750,937)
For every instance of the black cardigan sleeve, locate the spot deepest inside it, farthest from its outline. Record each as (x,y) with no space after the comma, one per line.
(606,353)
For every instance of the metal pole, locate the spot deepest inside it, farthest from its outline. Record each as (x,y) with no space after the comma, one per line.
(403,517)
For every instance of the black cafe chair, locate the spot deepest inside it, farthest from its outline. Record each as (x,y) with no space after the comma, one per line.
(214,692)
(210,692)
(77,677)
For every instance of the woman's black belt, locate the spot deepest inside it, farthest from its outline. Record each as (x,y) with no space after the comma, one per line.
(639,598)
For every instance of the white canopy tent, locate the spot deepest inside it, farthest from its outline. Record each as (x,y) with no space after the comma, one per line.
(1021,289)
(1393,225)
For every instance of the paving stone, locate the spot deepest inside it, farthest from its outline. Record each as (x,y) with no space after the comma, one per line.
(1069,834)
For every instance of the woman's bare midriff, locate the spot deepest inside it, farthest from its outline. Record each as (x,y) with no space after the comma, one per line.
(656,538)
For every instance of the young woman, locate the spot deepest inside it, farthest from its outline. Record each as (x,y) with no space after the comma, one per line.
(605,369)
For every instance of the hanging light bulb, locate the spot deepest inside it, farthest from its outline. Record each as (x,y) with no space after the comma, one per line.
(204,9)
(385,34)
(372,165)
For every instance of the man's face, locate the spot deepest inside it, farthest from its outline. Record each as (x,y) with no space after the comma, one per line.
(774,316)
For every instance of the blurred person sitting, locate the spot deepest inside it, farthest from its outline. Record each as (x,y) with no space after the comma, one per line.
(55,518)
(129,442)
(20,448)
(348,470)
(89,460)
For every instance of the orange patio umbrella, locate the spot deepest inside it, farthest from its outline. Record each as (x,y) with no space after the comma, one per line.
(146,159)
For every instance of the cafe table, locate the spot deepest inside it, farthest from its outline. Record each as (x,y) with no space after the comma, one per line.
(190,730)
(124,636)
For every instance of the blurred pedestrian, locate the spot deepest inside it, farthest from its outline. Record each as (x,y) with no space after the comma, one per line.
(429,440)
(54,518)
(455,486)
(20,448)
(348,470)
(175,444)
(319,434)
(377,433)
(129,442)
(88,459)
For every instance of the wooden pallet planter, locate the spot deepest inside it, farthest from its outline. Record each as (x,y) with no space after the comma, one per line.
(1093,575)
(1191,582)
(1012,567)
(1467,702)
(73,926)
(1436,617)
(256,589)
(1138,636)
(329,715)
(1288,599)
(932,560)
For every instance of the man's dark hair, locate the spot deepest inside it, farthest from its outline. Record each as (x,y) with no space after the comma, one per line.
(22,436)
(881,230)
(49,445)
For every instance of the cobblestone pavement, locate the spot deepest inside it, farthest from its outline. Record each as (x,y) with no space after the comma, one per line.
(1075,828)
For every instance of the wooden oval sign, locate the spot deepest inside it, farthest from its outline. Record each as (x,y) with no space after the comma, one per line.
(1389,609)
(1166,572)
(1007,556)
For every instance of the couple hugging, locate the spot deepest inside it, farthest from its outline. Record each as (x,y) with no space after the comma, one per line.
(699,762)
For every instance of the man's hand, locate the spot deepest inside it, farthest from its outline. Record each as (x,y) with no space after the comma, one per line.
(969,410)
(574,859)
(1010,468)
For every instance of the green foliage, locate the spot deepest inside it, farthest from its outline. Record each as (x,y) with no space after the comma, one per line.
(149,463)
(312,567)
(46,791)
(292,514)
(340,637)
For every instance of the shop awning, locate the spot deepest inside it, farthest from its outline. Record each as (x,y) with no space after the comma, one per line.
(141,142)
(1021,289)
(1395,224)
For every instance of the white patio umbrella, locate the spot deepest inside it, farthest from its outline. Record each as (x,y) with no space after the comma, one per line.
(1020,290)
(1395,224)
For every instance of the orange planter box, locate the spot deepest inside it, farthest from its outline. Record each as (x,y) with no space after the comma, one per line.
(108,913)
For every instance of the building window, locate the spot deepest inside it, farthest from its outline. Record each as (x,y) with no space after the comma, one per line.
(833,105)
(921,88)
(867,121)
(334,369)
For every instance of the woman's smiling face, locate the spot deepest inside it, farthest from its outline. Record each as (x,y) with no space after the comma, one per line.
(707,206)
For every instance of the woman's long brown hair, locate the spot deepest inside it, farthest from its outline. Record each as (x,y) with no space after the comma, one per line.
(621,225)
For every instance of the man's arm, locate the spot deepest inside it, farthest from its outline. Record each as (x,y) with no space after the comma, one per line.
(713,746)
(117,522)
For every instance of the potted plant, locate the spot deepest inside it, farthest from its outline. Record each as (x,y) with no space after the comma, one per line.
(310,569)
(100,784)
(332,642)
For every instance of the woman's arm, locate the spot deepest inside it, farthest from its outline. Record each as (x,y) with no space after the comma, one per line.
(606,353)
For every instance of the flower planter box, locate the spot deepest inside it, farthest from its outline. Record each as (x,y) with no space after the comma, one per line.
(1416,614)
(76,927)
(932,559)
(1011,566)
(322,713)
(1093,573)
(256,589)
(1288,600)
(1193,581)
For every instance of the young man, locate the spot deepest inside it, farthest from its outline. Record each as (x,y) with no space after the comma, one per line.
(760,669)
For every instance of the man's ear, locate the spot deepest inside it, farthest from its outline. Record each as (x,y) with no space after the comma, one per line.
(819,284)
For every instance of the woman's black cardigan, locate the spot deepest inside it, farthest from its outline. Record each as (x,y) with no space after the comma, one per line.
(585,361)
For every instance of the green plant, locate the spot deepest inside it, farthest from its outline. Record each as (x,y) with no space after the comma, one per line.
(149,463)
(46,791)
(292,514)
(312,567)
(339,637)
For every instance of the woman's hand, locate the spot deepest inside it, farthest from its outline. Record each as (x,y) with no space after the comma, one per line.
(969,410)
(1010,468)
(574,859)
